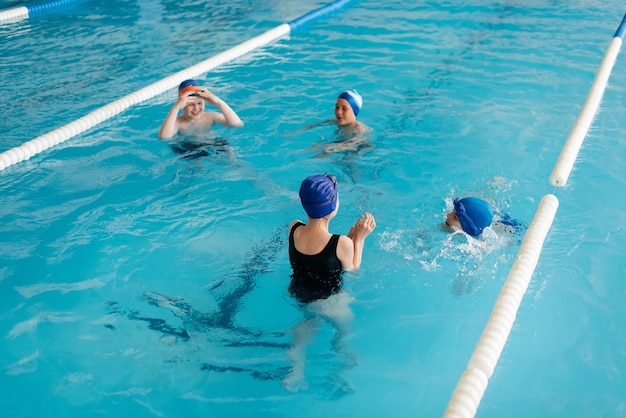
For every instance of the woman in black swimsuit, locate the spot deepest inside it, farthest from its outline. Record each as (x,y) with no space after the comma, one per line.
(318,257)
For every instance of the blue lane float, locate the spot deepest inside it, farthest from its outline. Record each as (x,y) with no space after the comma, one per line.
(314,14)
(621,30)
(35,10)
(50,139)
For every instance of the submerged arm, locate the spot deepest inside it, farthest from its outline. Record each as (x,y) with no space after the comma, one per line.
(315,125)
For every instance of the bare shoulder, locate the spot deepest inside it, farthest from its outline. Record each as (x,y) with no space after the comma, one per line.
(363,128)
(294,223)
(345,243)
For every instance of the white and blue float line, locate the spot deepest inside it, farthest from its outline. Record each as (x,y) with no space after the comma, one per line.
(59,135)
(34,10)
(471,387)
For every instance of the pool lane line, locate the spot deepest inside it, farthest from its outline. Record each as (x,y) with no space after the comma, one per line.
(473,383)
(55,137)
(41,9)
(569,153)
(471,387)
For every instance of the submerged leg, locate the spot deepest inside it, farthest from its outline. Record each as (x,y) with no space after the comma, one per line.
(302,334)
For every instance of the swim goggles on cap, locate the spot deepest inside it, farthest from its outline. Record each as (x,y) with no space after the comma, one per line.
(334,180)
(186,89)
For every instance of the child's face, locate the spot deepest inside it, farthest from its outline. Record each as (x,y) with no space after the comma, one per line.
(194,108)
(452,221)
(343,112)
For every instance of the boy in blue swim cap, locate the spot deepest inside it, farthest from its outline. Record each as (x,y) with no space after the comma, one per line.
(471,215)
(350,134)
(347,108)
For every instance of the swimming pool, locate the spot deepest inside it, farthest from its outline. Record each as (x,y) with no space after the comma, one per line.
(134,282)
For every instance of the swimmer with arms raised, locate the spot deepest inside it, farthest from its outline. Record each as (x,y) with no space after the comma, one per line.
(194,120)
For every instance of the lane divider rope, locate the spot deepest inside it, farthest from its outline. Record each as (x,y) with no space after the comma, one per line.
(565,162)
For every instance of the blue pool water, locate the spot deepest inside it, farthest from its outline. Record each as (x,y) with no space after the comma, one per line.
(134,282)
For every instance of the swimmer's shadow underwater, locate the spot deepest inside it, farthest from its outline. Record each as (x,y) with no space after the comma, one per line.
(189,149)
(219,326)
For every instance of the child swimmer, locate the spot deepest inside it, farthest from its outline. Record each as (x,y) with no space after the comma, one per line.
(351,134)
(191,100)
(472,215)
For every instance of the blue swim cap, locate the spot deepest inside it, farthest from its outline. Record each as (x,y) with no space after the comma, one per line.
(474,214)
(354,99)
(318,195)
(188,83)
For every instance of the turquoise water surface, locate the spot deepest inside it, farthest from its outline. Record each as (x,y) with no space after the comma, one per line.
(135,282)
